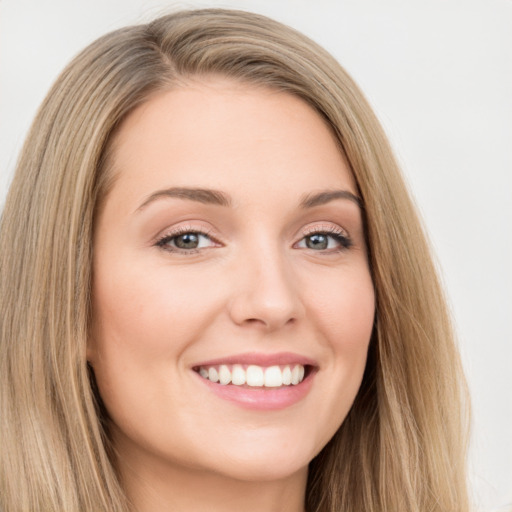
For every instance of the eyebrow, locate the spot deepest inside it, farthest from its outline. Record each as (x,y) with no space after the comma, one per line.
(324,197)
(216,197)
(201,195)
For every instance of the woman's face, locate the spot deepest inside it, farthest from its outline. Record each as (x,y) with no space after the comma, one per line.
(231,247)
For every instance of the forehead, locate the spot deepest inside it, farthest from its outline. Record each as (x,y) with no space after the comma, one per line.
(226,135)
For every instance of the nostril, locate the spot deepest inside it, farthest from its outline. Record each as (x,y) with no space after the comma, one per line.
(269,322)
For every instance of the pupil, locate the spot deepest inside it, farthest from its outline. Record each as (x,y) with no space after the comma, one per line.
(317,242)
(187,241)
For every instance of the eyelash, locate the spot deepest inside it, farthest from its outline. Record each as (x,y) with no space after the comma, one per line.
(337,234)
(164,240)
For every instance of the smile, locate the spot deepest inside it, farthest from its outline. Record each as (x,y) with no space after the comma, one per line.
(275,376)
(256,381)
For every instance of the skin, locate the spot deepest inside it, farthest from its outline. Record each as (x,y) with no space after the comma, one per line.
(256,284)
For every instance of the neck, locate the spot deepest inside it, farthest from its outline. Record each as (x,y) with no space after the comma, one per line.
(152,490)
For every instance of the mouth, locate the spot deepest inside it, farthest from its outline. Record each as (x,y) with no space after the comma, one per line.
(256,381)
(254,376)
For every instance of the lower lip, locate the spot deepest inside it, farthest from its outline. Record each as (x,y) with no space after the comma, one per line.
(261,399)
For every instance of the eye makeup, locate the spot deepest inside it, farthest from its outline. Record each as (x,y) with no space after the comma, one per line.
(187,240)
(325,239)
(190,240)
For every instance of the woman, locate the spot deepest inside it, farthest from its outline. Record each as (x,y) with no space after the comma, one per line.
(215,290)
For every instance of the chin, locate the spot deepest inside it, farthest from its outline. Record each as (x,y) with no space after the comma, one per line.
(259,470)
(266,460)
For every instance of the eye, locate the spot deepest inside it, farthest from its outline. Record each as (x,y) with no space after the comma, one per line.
(331,241)
(185,241)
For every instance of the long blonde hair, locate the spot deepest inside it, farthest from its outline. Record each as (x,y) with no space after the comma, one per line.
(402,446)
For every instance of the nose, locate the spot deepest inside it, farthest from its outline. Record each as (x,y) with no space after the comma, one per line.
(265,293)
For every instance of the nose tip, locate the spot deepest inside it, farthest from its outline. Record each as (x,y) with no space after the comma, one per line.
(266,299)
(269,317)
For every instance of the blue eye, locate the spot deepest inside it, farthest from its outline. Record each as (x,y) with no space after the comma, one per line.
(325,241)
(186,241)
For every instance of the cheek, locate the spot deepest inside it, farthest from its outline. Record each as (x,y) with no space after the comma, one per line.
(344,309)
(344,306)
(142,326)
(341,307)
(146,310)
(143,322)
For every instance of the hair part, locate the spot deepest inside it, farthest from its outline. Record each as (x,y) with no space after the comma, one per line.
(403,444)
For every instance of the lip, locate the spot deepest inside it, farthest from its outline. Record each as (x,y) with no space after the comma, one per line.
(260,359)
(261,399)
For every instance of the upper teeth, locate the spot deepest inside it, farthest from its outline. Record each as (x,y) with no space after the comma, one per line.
(252,375)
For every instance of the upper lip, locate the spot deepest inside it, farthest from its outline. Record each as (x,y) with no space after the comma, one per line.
(260,359)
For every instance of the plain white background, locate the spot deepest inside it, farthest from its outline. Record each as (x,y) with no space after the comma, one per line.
(439,75)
